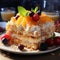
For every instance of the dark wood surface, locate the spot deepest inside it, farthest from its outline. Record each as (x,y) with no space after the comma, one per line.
(49,56)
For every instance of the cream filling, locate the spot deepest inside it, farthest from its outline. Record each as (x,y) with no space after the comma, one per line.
(26,38)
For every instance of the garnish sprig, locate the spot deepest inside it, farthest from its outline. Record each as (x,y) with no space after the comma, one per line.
(22,11)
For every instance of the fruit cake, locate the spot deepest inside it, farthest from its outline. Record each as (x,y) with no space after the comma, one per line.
(30,30)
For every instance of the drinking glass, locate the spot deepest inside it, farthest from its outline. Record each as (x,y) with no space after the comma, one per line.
(7,13)
(50,8)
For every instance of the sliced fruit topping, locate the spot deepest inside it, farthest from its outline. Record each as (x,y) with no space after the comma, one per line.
(24,22)
(19,20)
(43,46)
(7,36)
(30,21)
(50,42)
(57,40)
(44,19)
(35,17)
(31,17)
(21,47)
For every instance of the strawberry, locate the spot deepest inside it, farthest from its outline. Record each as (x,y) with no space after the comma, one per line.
(35,17)
(7,36)
(50,42)
(57,40)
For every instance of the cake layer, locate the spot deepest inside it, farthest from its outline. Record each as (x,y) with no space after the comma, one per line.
(28,32)
(27,41)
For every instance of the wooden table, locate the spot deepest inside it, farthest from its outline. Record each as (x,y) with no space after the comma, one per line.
(49,56)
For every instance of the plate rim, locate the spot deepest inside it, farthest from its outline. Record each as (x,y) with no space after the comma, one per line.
(30,53)
(5,48)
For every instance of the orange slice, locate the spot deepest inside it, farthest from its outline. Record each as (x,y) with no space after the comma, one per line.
(24,22)
(44,19)
(19,20)
(30,21)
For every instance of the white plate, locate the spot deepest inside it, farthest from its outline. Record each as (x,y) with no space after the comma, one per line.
(3,24)
(16,51)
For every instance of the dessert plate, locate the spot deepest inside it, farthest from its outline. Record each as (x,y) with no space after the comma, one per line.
(15,50)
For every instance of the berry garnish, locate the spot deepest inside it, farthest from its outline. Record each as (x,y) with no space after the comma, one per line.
(21,47)
(38,12)
(35,17)
(7,36)
(16,17)
(5,41)
(57,40)
(50,42)
(43,46)
(31,14)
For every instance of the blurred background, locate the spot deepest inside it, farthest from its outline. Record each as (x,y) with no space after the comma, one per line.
(8,8)
(45,5)
(26,3)
(49,4)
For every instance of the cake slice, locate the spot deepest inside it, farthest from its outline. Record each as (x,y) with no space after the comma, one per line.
(30,31)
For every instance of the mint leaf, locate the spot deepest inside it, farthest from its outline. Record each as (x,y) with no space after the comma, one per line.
(22,10)
(36,8)
(32,9)
(53,36)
